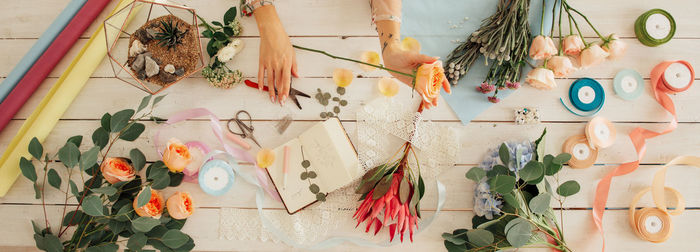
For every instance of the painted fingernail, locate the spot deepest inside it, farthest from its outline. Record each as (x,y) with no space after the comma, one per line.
(272,99)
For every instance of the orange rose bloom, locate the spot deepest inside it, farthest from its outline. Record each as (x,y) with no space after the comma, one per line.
(180,205)
(117,169)
(154,207)
(429,80)
(176,156)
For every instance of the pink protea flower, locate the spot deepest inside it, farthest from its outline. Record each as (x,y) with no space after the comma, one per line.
(486,88)
(494,99)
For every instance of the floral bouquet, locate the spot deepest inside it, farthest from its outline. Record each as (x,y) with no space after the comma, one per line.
(512,200)
(115,205)
(222,47)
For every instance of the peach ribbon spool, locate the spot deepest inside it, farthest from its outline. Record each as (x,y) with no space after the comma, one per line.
(600,133)
(582,155)
(651,223)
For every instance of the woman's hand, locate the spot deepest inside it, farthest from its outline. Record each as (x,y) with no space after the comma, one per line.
(277,61)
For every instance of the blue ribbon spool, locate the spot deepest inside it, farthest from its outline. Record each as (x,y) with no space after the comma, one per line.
(216,177)
(628,84)
(586,95)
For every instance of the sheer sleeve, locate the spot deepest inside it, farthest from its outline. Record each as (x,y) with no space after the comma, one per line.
(248,6)
(386,10)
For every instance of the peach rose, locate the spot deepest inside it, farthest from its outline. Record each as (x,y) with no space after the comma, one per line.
(180,205)
(572,45)
(593,55)
(430,77)
(176,156)
(154,207)
(542,48)
(615,47)
(541,78)
(117,169)
(560,65)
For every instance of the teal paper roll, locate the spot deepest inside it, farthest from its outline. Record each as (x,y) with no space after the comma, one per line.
(39,47)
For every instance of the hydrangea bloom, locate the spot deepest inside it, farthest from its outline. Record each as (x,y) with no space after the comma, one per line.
(525,149)
(485,203)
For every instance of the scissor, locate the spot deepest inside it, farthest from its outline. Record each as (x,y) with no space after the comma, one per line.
(293,93)
(246,128)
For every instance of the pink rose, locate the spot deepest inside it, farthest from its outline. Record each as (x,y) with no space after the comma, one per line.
(561,66)
(541,78)
(572,45)
(542,48)
(615,47)
(593,55)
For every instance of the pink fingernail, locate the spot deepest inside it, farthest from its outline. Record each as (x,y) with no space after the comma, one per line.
(272,99)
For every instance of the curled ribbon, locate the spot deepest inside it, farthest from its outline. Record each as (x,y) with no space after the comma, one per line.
(663,82)
(237,153)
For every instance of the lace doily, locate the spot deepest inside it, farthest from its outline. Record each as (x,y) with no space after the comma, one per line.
(382,127)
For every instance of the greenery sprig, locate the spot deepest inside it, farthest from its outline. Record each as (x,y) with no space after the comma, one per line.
(221,35)
(104,217)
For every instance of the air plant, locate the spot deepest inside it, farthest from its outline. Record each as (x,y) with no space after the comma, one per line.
(170,35)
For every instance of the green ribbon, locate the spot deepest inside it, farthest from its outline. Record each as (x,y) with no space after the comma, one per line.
(643,35)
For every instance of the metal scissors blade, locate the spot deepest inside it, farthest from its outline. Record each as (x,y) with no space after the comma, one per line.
(246,128)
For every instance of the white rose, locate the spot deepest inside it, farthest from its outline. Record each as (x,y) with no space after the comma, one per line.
(229,51)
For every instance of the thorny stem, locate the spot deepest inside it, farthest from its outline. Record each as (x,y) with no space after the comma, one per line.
(352,60)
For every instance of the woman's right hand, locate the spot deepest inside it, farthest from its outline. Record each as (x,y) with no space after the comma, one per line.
(277,61)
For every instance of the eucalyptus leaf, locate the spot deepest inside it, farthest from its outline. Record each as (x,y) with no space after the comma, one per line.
(562,158)
(104,121)
(77,140)
(137,241)
(504,153)
(37,191)
(454,239)
(100,137)
(144,224)
(35,148)
(161,182)
(532,171)
(69,155)
(502,184)
(568,188)
(518,232)
(28,169)
(510,199)
(498,170)
(476,174)
(52,243)
(174,238)
(539,145)
(314,188)
(103,247)
(144,103)
(70,220)
(144,197)
(540,203)
(120,119)
(89,158)
(117,226)
(133,132)
(37,229)
(138,159)
(487,224)
(106,190)
(480,237)
(54,178)
(92,205)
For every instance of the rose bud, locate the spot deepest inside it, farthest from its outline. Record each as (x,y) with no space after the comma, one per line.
(430,77)
(542,48)
(176,156)
(154,207)
(541,78)
(593,55)
(572,45)
(180,205)
(615,47)
(117,169)
(561,66)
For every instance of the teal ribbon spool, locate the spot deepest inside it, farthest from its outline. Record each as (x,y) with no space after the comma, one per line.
(628,84)
(655,27)
(586,95)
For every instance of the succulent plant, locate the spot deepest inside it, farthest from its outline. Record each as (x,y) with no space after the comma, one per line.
(170,35)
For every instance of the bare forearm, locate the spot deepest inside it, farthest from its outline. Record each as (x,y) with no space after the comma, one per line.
(389,33)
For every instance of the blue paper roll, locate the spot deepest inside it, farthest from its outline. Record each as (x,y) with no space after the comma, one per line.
(586,95)
(39,47)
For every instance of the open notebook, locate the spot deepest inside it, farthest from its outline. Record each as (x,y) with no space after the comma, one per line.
(330,159)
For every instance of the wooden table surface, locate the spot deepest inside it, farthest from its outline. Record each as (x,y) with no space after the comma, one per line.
(343,27)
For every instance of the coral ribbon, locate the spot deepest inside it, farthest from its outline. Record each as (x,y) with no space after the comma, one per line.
(638,136)
(237,153)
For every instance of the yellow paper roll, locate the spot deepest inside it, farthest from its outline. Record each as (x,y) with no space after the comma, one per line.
(55,103)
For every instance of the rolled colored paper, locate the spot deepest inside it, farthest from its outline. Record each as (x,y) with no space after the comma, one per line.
(48,61)
(666,78)
(39,47)
(58,99)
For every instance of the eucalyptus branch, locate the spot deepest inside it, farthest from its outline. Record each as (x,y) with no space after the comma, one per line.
(43,197)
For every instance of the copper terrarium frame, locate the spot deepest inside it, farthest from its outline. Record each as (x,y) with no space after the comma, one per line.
(121,41)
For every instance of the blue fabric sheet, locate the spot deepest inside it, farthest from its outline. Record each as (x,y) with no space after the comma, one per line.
(431,23)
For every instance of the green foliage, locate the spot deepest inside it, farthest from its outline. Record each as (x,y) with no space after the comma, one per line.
(35,148)
(476,174)
(69,154)
(144,197)
(144,224)
(170,34)
(480,237)
(568,188)
(27,169)
(502,184)
(54,178)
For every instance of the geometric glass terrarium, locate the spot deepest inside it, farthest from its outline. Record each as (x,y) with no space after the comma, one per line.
(153,45)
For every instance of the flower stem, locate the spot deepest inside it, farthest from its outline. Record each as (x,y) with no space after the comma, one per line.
(352,60)
(561,40)
(587,21)
(576,24)
(542,18)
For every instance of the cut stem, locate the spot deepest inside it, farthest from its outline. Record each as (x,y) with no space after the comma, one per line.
(352,60)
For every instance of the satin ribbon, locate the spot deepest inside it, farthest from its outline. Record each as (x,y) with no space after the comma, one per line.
(600,133)
(41,45)
(628,84)
(56,101)
(587,95)
(228,168)
(582,155)
(655,27)
(661,211)
(237,153)
(639,135)
(17,97)
(192,169)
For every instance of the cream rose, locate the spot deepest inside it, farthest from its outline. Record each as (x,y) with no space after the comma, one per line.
(593,55)
(561,66)
(541,78)
(229,51)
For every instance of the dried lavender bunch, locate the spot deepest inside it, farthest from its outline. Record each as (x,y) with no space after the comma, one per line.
(503,38)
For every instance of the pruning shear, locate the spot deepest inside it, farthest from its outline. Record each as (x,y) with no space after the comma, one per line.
(293,93)
(245,128)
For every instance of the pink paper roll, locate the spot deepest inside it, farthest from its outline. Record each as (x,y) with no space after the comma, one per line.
(48,61)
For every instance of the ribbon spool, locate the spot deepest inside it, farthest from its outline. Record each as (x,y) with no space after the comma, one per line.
(655,27)
(677,77)
(600,133)
(582,155)
(651,223)
(586,95)
(628,84)
(216,177)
